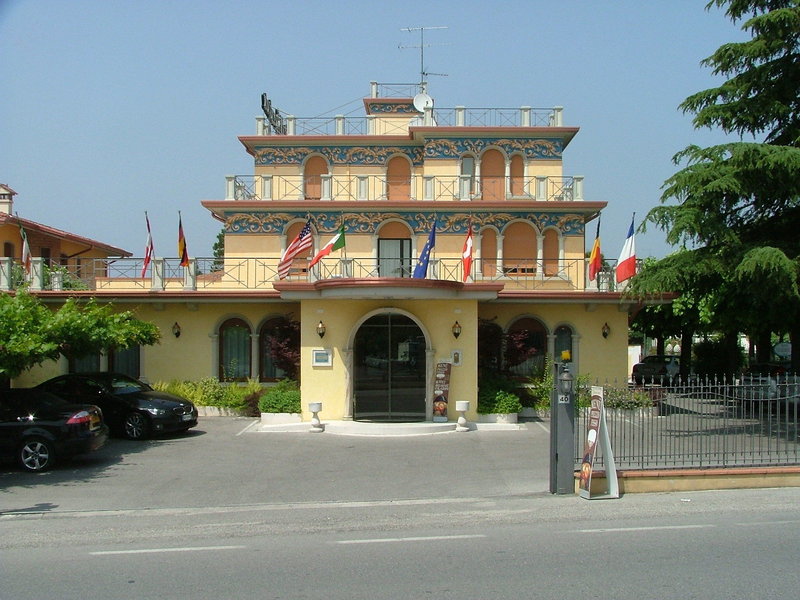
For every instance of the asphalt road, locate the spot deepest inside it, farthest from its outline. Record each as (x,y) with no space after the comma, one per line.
(227,513)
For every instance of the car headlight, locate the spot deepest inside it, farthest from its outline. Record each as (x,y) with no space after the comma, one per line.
(156,411)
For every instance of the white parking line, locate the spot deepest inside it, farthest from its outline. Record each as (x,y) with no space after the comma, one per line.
(162,550)
(248,428)
(656,528)
(410,539)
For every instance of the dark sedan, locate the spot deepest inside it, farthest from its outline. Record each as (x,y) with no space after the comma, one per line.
(131,408)
(36,428)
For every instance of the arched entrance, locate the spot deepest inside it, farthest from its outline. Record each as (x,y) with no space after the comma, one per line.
(389,370)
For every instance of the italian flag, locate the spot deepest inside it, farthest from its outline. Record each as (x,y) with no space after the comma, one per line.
(336,243)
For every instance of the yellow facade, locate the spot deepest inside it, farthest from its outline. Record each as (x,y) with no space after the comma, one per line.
(388,180)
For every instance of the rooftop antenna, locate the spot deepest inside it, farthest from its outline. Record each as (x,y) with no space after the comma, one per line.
(422,45)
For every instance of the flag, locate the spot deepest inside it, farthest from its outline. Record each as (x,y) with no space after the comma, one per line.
(336,243)
(466,254)
(149,250)
(595,258)
(421,270)
(303,241)
(26,251)
(183,254)
(626,265)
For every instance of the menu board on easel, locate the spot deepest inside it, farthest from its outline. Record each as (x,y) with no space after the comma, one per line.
(441,391)
(597,433)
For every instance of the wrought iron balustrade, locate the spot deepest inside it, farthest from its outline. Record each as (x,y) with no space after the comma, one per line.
(124,275)
(414,188)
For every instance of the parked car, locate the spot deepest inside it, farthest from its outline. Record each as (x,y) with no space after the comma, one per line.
(131,408)
(657,368)
(37,428)
(768,382)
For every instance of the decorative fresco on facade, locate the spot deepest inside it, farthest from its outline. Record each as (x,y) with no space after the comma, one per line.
(454,148)
(336,155)
(419,222)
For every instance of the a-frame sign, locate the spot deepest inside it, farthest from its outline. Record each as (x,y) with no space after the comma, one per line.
(597,433)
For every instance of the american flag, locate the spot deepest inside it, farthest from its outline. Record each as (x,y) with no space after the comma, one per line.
(302,242)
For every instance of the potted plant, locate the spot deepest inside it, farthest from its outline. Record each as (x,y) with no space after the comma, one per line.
(281,403)
(497,402)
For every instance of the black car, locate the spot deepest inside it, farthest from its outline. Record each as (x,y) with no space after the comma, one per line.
(130,407)
(37,427)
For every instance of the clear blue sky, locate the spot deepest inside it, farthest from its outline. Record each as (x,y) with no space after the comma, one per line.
(110,108)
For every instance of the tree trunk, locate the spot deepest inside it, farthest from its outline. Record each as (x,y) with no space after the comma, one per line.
(686,354)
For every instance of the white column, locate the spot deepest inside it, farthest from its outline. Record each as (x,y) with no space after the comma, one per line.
(266,187)
(157,274)
(430,370)
(254,357)
(577,187)
(214,338)
(349,399)
(230,191)
(190,276)
(477,239)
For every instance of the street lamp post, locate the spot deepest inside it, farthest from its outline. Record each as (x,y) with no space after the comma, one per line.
(562,434)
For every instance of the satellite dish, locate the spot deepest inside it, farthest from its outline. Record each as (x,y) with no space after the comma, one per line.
(422,101)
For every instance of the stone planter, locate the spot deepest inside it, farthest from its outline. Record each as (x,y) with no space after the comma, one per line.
(498,418)
(280,418)
(218,411)
(534,413)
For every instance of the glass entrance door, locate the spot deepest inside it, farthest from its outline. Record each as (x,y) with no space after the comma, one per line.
(389,364)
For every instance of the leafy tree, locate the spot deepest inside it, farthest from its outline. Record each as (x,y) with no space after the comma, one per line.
(737,207)
(32,333)
(284,346)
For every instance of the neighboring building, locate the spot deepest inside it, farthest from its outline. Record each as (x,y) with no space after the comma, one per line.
(371,335)
(60,251)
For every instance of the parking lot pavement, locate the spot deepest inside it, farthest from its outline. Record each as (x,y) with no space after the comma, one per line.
(226,461)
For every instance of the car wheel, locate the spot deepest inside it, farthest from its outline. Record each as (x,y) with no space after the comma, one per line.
(136,426)
(36,455)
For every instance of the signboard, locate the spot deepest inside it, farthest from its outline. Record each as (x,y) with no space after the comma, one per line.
(441,391)
(273,115)
(597,433)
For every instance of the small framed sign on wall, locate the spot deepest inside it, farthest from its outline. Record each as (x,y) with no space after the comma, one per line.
(321,357)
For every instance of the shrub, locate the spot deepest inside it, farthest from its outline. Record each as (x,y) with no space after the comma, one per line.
(496,395)
(282,398)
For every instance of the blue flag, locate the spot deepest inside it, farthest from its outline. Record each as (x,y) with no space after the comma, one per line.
(421,270)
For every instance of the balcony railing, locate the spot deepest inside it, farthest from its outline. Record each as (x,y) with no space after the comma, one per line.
(242,274)
(414,188)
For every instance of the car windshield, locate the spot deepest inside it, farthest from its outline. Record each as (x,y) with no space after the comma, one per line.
(126,385)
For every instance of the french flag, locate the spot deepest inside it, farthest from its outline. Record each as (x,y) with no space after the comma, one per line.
(626,265)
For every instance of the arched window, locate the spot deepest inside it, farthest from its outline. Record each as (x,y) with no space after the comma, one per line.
(234,350)
(526,347)
(279,349)
(398,179)
(466,186)
(489,252)
(315,167)
(125,361)
(493,175)
(517,176)
(563,343)
(550,252)
(519,249)
(490,347)
(394,250)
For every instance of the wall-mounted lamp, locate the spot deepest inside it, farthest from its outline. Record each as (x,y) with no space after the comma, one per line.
(176,330)
(456,330)
(321,329)
(606,330)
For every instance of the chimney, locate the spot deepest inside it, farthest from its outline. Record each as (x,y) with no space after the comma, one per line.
(6,199)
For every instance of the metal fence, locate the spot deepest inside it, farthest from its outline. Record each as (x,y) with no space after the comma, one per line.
(741,422)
